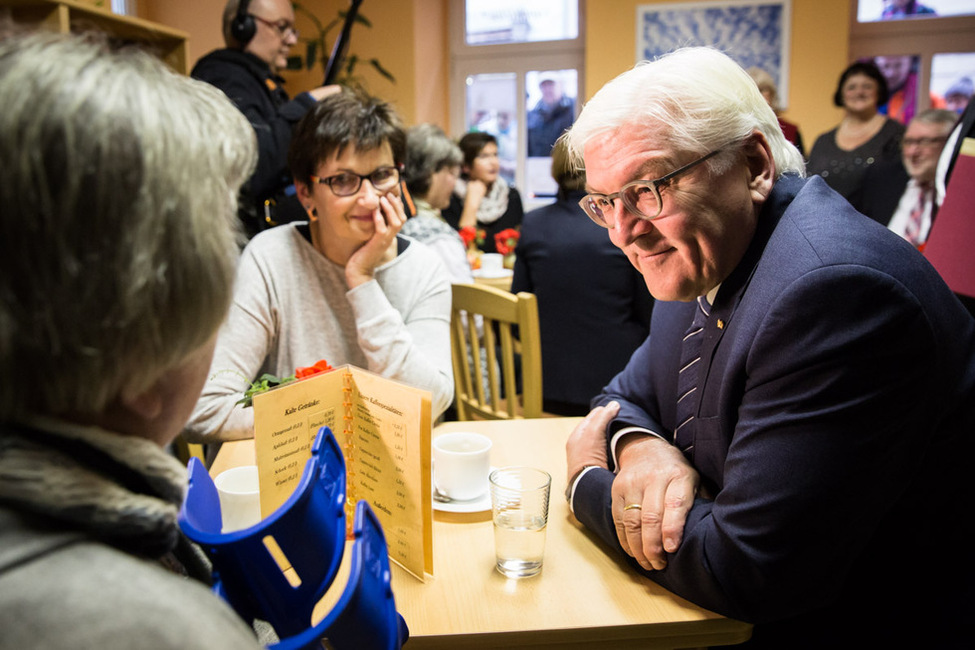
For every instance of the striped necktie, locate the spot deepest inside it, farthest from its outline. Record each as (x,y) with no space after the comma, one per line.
(912,232)
(690,362)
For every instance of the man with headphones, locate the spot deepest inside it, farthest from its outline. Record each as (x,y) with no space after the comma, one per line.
(259,35)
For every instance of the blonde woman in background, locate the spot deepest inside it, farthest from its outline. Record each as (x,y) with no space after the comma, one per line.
(766,85)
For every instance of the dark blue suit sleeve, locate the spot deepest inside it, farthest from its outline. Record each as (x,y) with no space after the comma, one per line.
(272,124)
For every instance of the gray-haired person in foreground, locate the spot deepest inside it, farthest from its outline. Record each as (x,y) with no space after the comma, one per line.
(118,229)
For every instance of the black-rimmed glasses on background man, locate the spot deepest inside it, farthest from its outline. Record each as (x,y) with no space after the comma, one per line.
(383,179)
(283,27)
(641,198)
(927,143)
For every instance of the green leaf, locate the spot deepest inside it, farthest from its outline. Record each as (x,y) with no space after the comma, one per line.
(381,70)
(265,382)
(311,54)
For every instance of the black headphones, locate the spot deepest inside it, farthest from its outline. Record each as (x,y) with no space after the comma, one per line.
(243,27)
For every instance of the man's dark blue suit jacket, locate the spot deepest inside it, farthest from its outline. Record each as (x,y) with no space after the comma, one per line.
(834,432)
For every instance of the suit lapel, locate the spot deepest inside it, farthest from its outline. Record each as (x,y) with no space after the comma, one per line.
(734,287)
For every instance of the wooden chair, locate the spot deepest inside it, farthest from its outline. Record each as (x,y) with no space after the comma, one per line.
(185,450)
(503,315)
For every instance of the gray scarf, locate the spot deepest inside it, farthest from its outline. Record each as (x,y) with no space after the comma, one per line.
(122,490)
(493,205)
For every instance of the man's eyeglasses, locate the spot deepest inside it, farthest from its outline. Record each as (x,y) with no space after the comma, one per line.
(283,27)
(927,143)
(642,198)
(383,179)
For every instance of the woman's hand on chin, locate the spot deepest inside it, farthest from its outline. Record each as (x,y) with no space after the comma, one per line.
(476,191)
(381,247)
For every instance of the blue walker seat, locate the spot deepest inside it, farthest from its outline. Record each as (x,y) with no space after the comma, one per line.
(309,529)
(365,615)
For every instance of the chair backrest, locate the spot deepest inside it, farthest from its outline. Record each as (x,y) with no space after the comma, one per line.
(511,343)
(256,569)
(185,450)
(365,615)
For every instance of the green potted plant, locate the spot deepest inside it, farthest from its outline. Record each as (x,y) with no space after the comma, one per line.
(318,49)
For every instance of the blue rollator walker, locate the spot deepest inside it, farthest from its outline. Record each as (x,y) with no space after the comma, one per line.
(309,528)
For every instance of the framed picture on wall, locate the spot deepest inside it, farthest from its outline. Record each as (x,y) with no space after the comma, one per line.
(752,32)
(902,72)
(869,11)
(953,79)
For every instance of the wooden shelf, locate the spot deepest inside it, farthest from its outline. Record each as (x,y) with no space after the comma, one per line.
(76,16)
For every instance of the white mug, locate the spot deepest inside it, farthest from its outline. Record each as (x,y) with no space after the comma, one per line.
(461,463)
(240,497)
(492,265)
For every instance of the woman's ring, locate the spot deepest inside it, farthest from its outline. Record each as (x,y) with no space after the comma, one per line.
(632,506)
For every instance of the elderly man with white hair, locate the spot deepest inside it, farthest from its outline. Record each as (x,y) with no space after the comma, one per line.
(789,446)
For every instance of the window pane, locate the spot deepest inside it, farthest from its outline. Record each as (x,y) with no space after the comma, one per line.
(874,10)
(952,77)
(519,21)
(550,110)
(491,108)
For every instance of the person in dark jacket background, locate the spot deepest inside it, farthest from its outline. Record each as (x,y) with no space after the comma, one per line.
(259,35)
(585,286)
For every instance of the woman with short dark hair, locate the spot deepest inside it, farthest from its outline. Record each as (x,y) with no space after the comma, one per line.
(343,286)
(863,137)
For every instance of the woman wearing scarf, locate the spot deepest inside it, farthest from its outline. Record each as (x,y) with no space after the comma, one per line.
(118,226)
(481,198)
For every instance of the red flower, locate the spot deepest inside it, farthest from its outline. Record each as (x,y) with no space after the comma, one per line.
(506,241)
(320,366)
(471,235)
(467,233)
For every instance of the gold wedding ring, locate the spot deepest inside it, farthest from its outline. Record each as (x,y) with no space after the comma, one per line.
(632,506)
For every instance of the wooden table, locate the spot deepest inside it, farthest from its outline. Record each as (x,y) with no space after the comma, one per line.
(584,596)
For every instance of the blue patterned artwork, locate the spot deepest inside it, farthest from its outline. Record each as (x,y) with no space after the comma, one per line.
(753,33)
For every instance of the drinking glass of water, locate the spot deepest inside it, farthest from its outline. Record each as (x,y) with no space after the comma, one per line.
(519,500)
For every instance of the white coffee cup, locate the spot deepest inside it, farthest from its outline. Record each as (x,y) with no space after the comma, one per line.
(461,463)
(492,265)
(240,497)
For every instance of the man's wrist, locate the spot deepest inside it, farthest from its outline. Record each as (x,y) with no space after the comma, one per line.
(574,479)
(627,435)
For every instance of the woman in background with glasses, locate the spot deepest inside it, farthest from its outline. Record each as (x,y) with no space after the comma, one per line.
(343,286)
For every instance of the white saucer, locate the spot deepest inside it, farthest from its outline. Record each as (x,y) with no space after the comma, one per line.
(478,504)
(478,273)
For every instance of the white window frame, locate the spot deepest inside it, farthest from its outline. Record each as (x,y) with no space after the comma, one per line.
(519,58)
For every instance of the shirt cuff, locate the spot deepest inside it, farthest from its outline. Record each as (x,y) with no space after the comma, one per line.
(570,491)
(624,431)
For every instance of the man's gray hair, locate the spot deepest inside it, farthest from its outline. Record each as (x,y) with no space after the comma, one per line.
(117,217)
(695,100)
(941,116)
